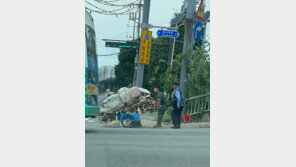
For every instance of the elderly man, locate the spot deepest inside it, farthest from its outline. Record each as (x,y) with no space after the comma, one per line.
(178,104)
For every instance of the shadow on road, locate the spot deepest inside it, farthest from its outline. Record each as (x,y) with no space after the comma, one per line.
(91,131)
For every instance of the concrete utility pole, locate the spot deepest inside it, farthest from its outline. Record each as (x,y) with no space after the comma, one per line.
(188,43)
(138,35)
(140,70)
(205,27)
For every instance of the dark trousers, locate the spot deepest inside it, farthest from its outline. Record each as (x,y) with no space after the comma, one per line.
(161,111)
(176,116)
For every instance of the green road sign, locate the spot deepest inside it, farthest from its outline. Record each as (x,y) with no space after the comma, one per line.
(132,45)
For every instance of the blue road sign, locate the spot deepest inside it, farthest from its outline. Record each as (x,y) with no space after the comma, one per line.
(147,36)
(167,33)
(197,31)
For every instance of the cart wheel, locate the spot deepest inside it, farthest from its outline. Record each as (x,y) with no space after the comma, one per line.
(128,121)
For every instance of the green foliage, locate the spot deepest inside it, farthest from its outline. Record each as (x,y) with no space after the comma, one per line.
(198,73)
(157,65)
(159,73)
(166,118)
(124,70)
(155,71)
(108,81)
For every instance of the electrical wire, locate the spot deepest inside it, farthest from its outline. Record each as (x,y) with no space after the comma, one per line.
(129,8)
(107,3)
(108,13)
(106,10)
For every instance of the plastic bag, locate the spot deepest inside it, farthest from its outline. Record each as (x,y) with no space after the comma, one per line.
(187,118)
(106,110)
(144,91)
(124,94)
(134,92)
(114,102)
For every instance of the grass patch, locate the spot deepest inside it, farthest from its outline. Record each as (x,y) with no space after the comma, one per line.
(166,118)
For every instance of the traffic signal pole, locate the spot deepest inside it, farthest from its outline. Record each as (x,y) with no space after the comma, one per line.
(141,67)
(187,45)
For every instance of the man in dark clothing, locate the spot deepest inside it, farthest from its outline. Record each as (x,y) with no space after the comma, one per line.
(178,104)
(161,106)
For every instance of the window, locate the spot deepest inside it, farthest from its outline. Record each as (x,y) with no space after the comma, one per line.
(91,56)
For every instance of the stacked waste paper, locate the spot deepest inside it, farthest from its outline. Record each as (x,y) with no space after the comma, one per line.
(127,100)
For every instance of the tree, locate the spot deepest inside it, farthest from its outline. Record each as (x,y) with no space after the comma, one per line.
(198,76)
(125,68)
(153,75)
(157,73)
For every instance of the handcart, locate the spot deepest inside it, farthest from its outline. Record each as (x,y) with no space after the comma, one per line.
(130,120)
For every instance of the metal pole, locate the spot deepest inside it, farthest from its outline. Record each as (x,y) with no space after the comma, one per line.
(170,51)
(134,30)
(173,50)
(187,46)
(145,19)
(139,18)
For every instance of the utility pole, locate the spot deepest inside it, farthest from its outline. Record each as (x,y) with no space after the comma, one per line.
(140,70)
(205,27)
(139,18)
(138,35)
(135,15)
(187,45)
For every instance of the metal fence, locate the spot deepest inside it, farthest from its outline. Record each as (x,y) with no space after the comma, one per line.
(198,104)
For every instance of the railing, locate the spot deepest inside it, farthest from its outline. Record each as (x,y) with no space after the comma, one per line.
(198,104)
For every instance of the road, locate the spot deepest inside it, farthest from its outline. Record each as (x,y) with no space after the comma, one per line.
(146,147)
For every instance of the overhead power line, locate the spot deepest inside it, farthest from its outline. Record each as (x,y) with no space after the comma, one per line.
(107,3)
(120,9)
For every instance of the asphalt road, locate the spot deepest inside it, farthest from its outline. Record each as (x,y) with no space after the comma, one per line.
(146,147)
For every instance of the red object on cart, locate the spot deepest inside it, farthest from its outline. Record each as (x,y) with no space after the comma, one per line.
(187,118)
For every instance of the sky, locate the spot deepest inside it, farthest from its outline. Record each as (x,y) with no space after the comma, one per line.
(112,27)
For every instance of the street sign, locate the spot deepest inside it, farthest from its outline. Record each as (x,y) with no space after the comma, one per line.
(146,47)
(197,31)
(132,45)
(200,11)
(167,33)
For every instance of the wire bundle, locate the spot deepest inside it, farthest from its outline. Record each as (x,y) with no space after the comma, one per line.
(120,9)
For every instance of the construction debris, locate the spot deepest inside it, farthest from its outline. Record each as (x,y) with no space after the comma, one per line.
(127,100)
